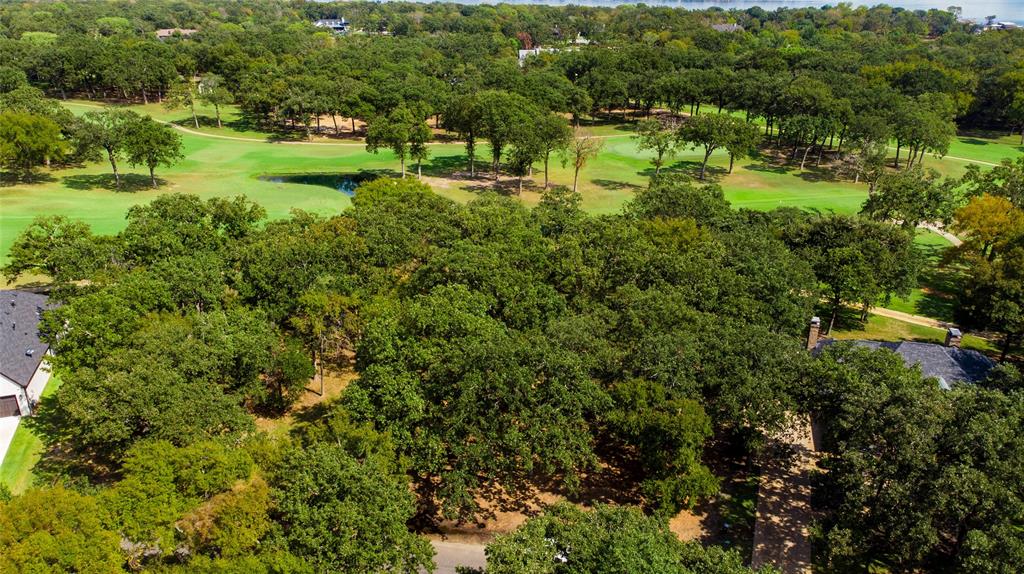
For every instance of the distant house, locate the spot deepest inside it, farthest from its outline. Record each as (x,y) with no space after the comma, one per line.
(729,28)
(947,363)
(165,33)
(1001,26)
(22,374)
(524,54)
(580,40)
(336,25)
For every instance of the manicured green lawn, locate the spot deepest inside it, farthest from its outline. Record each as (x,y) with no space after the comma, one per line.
(24,452)
(219,166)
(933,298)
(880,328)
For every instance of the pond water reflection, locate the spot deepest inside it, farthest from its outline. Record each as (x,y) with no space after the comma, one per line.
(344,182)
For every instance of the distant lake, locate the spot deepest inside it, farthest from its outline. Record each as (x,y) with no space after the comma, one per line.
(1003,10)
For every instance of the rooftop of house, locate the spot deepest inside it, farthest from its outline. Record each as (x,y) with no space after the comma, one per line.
(21,350)
(331,22)
(948,364)
(727,27)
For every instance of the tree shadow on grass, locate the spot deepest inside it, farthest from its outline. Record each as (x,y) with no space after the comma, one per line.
(446,165)
(810,173)
(59,460)
(613,185)
(504,186)
(712,173)
(130,182)
(9,179)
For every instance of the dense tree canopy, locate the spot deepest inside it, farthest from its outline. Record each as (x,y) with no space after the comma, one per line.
(493,348)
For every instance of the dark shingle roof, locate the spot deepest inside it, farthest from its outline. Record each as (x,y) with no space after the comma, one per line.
(947,364)
(19,334)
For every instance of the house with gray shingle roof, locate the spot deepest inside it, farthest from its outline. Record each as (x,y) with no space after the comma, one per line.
(947,363)
(22,374)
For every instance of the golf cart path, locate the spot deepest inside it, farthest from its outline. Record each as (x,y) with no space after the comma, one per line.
(908,318)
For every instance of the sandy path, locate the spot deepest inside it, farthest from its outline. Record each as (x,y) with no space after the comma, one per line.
(908,318)
(784,515)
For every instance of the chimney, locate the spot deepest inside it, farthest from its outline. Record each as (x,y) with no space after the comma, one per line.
(953,337)
(812,334)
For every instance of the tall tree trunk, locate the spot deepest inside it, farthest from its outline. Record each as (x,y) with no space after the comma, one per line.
(145,98)
(803,160)
(320,366)
(403,167)
(704,166)
(195,118)
(334,120)
(835,313)
(216,110)
(113,165)
(520,192)
(897,162)
(353,125)
(731,158)
(575,178)
(1007,343)
(152,176)
(546,155)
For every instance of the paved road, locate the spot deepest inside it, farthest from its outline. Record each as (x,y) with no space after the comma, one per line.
(452,554)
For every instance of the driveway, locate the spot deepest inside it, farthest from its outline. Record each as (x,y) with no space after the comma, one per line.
(7,427)
(453,554)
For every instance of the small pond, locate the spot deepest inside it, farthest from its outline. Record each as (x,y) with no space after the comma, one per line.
(344,182)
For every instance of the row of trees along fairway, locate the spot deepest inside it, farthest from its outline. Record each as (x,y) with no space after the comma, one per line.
(36,131)
(834,86)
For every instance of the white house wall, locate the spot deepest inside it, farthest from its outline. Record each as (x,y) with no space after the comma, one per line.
(38,382)
(9,387)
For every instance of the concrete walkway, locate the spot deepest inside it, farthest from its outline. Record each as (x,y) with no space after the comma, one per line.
(784,515)
(451,555)
(956,241)
(8,425)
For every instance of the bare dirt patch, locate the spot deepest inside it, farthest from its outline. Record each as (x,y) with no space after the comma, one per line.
(335,381)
